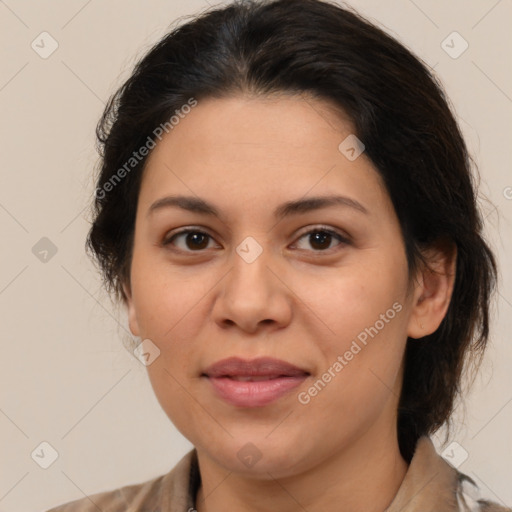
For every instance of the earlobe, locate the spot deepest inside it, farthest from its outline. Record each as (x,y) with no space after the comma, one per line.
(132,317)
(433,291)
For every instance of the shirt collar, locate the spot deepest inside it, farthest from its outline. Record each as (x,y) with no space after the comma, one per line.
(430,483)
(181,485)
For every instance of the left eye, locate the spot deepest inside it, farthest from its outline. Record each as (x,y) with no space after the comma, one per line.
(195,240)
(321,239)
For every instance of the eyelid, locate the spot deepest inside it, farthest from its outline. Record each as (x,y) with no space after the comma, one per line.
(342,237)
(328,229)
(187,229)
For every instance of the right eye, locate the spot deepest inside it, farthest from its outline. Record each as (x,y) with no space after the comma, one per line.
(193,240)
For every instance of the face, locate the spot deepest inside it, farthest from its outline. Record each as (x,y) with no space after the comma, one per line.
(319,285)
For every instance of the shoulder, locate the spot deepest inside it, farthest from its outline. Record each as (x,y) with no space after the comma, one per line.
(116,500)
(431,483)
(469,497)
(173,491)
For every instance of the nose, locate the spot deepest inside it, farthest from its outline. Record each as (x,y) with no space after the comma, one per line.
(253,296)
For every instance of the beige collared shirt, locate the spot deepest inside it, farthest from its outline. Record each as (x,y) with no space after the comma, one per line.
(430,485)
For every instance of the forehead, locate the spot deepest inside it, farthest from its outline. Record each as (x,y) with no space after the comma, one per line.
(254,151)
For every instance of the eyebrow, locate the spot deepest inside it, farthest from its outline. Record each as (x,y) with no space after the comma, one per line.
(299,206)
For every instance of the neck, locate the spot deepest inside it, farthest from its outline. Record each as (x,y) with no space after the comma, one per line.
(365,475)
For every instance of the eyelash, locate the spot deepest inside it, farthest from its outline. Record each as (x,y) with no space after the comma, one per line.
(318,229)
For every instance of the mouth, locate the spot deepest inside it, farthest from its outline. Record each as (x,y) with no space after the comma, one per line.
(249,378)
(253,383)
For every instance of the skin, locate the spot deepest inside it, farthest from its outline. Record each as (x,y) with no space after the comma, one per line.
(200,302)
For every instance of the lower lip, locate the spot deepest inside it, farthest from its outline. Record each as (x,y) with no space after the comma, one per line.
(254,393)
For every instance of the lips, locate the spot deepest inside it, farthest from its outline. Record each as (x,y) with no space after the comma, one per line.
(243,369)
(253,383)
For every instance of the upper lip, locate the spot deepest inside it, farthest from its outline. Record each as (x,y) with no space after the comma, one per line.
(262,366)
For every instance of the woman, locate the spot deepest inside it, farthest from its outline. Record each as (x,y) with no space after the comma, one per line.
(286,209)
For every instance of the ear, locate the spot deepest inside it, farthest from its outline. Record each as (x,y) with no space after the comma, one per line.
(433,289)
(132,316)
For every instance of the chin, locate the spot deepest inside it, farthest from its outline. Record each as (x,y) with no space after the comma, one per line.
(258,455)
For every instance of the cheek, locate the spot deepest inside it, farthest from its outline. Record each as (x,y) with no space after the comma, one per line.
(171,310)
(165,298)
(172,390)
(354,300)
(363,320)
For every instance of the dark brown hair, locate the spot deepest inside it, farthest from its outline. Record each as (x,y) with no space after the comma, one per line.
(399,111)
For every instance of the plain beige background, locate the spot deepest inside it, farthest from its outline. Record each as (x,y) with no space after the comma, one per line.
(66,377)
